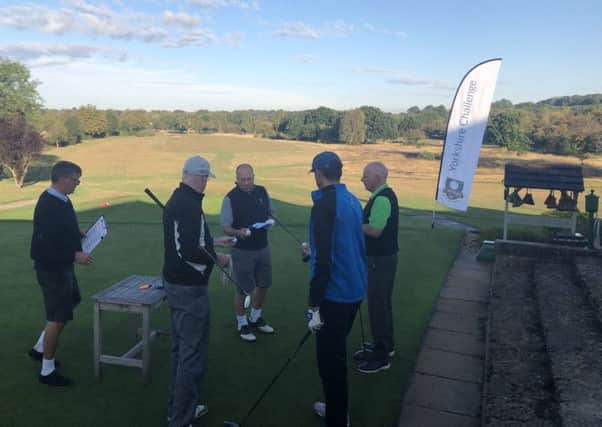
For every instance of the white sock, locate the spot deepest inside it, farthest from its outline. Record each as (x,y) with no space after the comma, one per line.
(255,314)
(39,347)
(242,321)
(47,367)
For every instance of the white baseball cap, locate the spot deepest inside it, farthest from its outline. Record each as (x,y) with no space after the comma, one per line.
(197,166)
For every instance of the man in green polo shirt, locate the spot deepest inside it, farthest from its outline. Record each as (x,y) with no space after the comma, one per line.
(381,218)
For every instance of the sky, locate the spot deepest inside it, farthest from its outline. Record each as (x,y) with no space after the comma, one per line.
(294,55)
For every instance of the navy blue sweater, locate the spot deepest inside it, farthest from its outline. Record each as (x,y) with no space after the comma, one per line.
(56,234)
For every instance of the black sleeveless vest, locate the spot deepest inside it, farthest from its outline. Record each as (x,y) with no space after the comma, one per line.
(247,209)
(386,243)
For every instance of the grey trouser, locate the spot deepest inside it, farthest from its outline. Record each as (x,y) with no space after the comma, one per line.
(189,307)
(381,276)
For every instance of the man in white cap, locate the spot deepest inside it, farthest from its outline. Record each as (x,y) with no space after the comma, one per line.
(188,260)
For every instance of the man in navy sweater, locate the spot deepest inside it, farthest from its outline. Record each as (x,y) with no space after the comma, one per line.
(55,247)
(338,280)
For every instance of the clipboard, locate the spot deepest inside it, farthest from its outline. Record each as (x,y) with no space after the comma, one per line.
(94,235)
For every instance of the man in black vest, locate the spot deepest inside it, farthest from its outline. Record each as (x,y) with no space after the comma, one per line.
(245,205)
(381,217)
(55,247)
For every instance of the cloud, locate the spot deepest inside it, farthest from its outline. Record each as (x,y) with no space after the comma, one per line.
(305,59)
(38,17)
(50,54)
(409,81)
(296,29)
(337,28)
(397,78)
(372,29)
(180,18)
(302,30)
(200,37)
(78,16)
(215,4)
(233,39)
(375,70)
(413,81)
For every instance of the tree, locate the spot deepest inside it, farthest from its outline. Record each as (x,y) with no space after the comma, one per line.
(93,121)
(55,133)
(18,94)
(134,120)
(112,123)
(74,129)
(352,127)
(505,130)
(19,143)
(379,125)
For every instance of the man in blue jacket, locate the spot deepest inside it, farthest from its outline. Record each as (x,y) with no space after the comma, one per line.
(338,280)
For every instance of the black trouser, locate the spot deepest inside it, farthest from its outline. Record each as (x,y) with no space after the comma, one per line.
(381,276)
(331,346)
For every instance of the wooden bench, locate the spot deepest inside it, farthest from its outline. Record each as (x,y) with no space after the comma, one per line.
(128,296)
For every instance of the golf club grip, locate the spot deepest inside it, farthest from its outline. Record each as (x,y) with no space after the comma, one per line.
(158,202)
(152,196)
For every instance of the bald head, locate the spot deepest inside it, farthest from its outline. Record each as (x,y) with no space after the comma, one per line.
(375,175)
(245,177)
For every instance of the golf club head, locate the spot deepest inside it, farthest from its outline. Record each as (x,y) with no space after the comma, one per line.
(247,302)
(304,255)
(231,424)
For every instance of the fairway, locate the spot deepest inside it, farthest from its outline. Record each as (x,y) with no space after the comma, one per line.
(116,170)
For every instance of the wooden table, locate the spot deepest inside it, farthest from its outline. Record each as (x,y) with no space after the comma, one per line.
(128,296)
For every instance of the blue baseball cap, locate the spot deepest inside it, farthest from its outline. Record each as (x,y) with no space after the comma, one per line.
(326,160)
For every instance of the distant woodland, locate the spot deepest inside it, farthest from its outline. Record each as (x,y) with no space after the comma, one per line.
(570,125)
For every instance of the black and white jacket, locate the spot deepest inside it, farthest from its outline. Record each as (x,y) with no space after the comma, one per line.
(187,239)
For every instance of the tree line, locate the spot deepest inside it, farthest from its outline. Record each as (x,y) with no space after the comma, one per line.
(567,125)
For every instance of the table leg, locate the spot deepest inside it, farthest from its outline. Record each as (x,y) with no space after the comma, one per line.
(146,355)
(97,340)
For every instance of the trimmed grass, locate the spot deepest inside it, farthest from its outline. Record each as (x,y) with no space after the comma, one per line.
(237,371)
(117,170)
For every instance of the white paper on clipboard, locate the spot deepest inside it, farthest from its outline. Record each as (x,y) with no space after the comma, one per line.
(94,235)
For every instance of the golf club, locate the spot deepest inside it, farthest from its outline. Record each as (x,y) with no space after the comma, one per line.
(304,257)
(247,301)
(362,329)
(290,233)
(290,358)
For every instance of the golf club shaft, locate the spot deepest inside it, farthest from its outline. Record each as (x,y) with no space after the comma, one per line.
(362,329)
(288,361)
(211,257)
(290,233)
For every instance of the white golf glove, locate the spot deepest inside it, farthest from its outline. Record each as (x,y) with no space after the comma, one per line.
(314,320)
